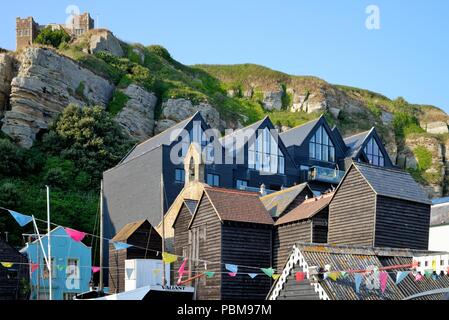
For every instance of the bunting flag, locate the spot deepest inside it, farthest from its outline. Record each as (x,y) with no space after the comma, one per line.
(300,276)
(181,270)
(434,265)
(232,274)
(232,268)
(34,267)
(428,273)
(7,264)
(78,236)
(401,275)
(275,276)
(95,269)
(434,276)
(325,275)
(333,275)
(121,245)
(252,275)
(169,258)
(343,274)
(358,281)
(129,273)
(21,219)
(383,277)
(209,274)
(418,277)
(268,271)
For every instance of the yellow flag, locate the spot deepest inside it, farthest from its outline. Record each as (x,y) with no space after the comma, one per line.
(7,264)
(434,265)
(169,258)
(276,276)
(333,275)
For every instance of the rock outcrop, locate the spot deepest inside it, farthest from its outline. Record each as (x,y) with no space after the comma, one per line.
(176,110)
(437,127)
(272,100)
(45,84)
(104,40)
(137,116)
(6,76)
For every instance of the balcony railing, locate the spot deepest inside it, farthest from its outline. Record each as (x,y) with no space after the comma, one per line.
(325,175)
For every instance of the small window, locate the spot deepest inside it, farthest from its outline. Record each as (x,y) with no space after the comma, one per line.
(53,268)
(241,184)
(213,180)
(180,175)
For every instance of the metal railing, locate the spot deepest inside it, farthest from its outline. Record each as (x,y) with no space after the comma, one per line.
(322,174)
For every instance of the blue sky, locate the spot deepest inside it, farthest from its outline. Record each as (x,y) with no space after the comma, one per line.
(408,56)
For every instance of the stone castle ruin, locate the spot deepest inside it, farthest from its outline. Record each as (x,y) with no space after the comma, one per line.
(27,29)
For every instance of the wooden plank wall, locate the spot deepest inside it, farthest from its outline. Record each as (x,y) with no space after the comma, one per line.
(351,212)
(320,226)
(181,238)
(402,224)
(246,245)
(11,289)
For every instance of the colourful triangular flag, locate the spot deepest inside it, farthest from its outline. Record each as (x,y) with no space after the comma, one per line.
(232,274)
(434,276)
(7,264)
(383,277)
(268,271)
(343,274)
(333,275)
(78,236)
(209,274)
(428,273)
(300,276)
(232,268)
(252,275)
(21,219)
(34,267)
(121,245)
(326,275)
(181,270)
(418,277)
(358,281)
(401,275)
(129,273)
(96,269)
(275,276)
(168,257)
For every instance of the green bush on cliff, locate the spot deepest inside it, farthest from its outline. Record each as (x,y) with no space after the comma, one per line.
(424,157)
(51,37)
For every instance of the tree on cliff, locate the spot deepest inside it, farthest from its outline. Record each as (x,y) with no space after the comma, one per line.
(51,37)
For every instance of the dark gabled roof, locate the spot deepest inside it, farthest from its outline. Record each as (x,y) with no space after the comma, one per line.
(392,183)
(339,138)
(129,229)
(238,132)
(237,205)
(163,138)
(356,142)
(439,215)
(276,203)
(306,210)
(345,258)
(191,205)
(297,135)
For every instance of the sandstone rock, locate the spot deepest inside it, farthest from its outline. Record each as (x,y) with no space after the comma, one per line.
(272,100)
(180,109)
(137,117)
(387,118)
(104,40)
(6,76)
(45,84)
(438,127)
(163,125)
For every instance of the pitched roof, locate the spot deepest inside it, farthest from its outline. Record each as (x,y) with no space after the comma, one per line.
(237,205)
(306,210)
(276,203)
(439,215)
(238,132)
(163,138)
(128,230)
(355,142)
(342,258)
(297,135)
(392,183)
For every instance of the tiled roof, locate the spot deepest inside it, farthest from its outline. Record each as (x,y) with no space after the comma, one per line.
(392,183)
(355,143)
(239,206)
(307,209)
(439,215)
(128,230)
(297,135)
(276,203)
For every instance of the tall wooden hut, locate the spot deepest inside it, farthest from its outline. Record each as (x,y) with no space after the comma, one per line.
(14,273)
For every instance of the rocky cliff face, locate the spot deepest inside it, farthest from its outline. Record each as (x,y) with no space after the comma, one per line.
(6,75)
(45,84)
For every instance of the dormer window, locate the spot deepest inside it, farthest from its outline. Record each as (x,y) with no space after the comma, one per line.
(321,147)
(373,153)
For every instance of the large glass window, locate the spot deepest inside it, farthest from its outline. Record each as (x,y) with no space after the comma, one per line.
(180,175)
(213,180)
(241,184)
(373,153)
(321,147)
(264,154)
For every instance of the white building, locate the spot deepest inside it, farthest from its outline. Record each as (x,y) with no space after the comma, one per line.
(439,225)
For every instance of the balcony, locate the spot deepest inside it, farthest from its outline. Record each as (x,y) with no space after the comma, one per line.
(328,175)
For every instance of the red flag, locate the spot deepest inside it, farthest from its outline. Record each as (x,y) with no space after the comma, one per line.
(300,276)
(34,267)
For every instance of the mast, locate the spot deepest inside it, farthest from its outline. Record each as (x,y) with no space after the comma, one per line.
(50,267)
(163,228)
(100,285)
